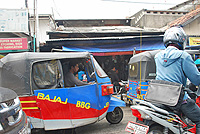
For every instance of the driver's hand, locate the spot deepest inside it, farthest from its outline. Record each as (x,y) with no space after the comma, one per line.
(93,82)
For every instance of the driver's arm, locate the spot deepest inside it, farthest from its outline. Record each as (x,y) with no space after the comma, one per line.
(78,82)
(190,70)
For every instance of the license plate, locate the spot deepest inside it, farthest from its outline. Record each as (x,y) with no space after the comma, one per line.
(136,128)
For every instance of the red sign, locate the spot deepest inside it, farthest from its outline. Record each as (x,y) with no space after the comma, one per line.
(13,43)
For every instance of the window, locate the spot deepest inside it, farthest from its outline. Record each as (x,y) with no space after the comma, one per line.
(47,74)
(100,71)
(133,70)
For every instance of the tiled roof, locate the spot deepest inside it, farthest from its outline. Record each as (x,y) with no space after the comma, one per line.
(184,18)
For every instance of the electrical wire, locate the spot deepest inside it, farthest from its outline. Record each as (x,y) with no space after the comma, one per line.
(68,22)
(140,2)
(56,9)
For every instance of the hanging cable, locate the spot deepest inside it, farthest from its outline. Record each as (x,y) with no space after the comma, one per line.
(68,22)
(56,9)
(140,2)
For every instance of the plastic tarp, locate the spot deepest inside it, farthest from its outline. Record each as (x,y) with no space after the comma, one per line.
(117,45)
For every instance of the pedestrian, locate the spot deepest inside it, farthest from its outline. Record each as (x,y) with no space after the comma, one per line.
(175,65)
(114,77)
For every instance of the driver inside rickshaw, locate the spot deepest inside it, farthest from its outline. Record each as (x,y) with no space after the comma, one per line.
(70,79)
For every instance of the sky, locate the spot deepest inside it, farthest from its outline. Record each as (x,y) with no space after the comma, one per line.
(90,9)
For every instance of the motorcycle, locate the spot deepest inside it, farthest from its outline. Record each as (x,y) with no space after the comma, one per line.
(123,89)
(151,118)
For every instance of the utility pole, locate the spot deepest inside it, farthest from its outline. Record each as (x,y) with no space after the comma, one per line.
(29,28)
(36,28)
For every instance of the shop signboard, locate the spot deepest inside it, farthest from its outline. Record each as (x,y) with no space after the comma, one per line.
(13,44)
(13,20)
(194,41)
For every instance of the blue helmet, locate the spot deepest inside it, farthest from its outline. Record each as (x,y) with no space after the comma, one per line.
(175,35)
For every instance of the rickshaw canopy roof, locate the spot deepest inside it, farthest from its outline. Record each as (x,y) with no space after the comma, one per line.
(35,56)
(144,56)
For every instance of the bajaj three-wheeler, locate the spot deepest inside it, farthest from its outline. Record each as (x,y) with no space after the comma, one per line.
(38,79)
(141,69)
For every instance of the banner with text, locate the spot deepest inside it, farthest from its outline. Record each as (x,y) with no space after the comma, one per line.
(12,20)
(194,41)
(13,43)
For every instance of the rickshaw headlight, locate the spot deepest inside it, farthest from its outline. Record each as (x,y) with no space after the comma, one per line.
(127,87)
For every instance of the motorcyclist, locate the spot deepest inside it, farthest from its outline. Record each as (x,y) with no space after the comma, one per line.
(175,65)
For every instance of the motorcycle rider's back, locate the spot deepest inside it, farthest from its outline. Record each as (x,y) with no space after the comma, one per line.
(175,65)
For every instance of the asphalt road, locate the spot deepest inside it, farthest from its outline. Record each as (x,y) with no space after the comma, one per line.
(103,127)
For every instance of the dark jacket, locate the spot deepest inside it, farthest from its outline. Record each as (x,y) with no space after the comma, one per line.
(114,78)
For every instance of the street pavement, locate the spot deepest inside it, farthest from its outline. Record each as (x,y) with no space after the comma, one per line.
(103,127)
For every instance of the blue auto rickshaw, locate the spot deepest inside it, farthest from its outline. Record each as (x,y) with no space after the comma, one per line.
(38,79)
(141,69)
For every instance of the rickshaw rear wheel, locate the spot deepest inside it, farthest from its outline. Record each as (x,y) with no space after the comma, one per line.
(115,116)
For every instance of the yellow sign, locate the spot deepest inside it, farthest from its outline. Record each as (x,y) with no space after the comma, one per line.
(46,97)
(107,105)
(83,104)
(194,41)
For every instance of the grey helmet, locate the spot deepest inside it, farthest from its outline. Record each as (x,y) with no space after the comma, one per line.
(175,35)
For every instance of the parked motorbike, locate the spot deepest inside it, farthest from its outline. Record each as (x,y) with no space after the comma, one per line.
(123,89)
(152,119)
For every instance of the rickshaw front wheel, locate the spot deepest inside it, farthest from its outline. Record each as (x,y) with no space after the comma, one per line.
(115,116)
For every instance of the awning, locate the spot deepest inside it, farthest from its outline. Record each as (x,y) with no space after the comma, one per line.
(125,46)
(106,45)
(117,45)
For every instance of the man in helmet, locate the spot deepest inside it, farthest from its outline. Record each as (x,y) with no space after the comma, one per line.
(175,65)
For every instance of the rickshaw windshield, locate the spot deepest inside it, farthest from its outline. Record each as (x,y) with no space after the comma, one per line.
(133,70)
(46,74)
(99,70)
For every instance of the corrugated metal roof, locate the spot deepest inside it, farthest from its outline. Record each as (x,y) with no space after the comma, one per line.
(104,29)
(185,18)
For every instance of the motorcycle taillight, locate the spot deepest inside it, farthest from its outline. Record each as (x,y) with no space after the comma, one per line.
(137,114)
